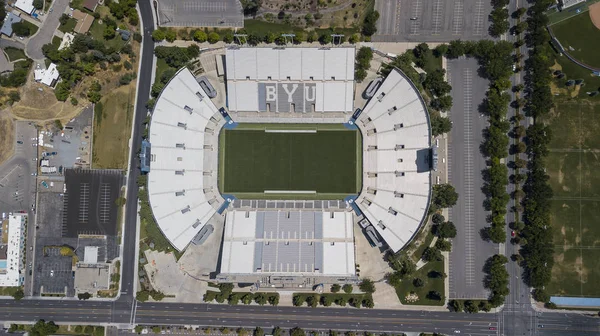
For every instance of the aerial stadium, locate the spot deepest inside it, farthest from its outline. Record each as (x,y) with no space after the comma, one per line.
(291,168)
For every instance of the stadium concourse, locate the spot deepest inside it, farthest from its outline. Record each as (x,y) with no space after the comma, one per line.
(289,241)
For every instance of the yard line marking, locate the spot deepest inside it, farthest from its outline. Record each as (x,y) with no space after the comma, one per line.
(436,26)
(457,19)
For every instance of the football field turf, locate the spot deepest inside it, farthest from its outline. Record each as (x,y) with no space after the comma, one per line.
(254,161)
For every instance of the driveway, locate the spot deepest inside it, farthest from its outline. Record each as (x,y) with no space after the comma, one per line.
(5,65)
(46,31)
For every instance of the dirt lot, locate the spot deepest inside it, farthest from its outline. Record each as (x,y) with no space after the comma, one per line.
(335,13)
(595,14)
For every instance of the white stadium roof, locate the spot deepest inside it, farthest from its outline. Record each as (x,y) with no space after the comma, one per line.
(312,79)
(288,242)
(176,181)
(396,175)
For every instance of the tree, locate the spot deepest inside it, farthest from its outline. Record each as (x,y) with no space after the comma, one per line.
(347,288)
(485,306)
(444,195)
(432,254)
(440,50)
(41,328)
(434,295)
(367,286)
(370,23)
(435,83)
(84,296)
(325,38)
(258,331)
(63,19)
(541,295)
(443,103)
(213,38)
(443,245)
(296,331)
(471,307)
(18,294)
(200,36)
(456,48)
(440,125)
(170,35)
(437,218)
(109,32)
(21,29)
(335,288)
(142,296)
(456,305)
(250,7)
(158,35)
(418,282)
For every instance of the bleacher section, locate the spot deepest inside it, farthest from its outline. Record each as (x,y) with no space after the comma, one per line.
(283,80)
(182,183)
(396,174)
(296,244)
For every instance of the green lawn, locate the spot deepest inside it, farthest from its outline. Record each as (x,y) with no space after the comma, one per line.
(97,32)
(431,284)
(555,16)
(68,26)
(574,71)
(14,53)
(261,28)
(580,34)
(255,161)
(572,165)
(32,28)
(56,41)
(161,66)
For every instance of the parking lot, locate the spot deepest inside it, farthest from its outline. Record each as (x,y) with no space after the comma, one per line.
(53,272)
(465,166)
(200,13)
(431,20)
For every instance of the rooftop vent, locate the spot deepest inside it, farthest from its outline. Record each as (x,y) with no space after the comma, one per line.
(398,194)
(398,147)
(398,126)
(179,172)
(180,193)
(196,224)
(392,110)
(180,145)
(199,95)
(186,209)
(182,125)
(392,211)
(189,109)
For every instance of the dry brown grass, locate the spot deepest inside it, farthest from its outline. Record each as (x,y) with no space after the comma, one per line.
(7,129)
(112,129)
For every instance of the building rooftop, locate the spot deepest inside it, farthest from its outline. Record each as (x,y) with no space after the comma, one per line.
(288,242)
(90,255)
(92,279)
(90,4)
(290,79)
(25,5)
(182,116)
(10,271)
(11,17)
(48,76)
(84,21)
(396,155)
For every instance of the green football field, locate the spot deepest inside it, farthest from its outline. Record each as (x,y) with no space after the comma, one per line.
(253,161)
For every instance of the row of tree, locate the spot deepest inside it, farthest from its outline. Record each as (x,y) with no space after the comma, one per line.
(328,299)
(499,18)
(363,63)
(538,250)
(496,279)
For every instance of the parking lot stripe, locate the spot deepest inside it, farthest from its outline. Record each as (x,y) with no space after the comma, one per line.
(469,220)
(416,12)
(479,18)
(436,26)
(457,19)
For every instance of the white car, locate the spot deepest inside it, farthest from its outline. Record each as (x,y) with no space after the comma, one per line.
(514,67)
(51,273)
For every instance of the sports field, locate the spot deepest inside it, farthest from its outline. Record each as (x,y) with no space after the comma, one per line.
(290,161)
(580,37)
(573,165)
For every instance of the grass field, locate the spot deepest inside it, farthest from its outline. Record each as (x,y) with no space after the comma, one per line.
(253,160)
(261,28)
(112,128)
(580,37)
(572,165)
(556,16)
(431,284)
(14,53)
(68,26)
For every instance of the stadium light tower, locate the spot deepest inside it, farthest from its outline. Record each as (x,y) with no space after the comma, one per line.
(334,36)
(240,38)
(285,37)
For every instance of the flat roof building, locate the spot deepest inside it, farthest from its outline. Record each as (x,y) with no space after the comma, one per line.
(10,268)
(288,248)
(25,5)
(397,164)
(183,132)
(290,79)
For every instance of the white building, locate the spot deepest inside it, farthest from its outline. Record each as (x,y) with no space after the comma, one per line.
(288,248)
(10,267)
(397,161)
(25,5)
(299,80)
(183,161)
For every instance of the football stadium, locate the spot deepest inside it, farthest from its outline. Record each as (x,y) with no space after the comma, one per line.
(289,166)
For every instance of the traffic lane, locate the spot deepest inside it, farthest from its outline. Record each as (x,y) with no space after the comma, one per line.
(46,31)
(143,94)
(372,323)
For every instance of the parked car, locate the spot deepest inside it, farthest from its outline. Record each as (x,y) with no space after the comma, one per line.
(19,142)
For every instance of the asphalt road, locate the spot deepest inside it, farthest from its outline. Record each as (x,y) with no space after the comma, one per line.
(432,20)
(46,31)
(144,84)
(465,166)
